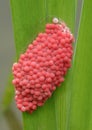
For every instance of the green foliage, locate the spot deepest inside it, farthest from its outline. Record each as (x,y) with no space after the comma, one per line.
(26,17)
(80,117)
(70,106)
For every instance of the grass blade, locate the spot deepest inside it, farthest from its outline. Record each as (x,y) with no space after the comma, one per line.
(81,99)
(26,17)
(61,95)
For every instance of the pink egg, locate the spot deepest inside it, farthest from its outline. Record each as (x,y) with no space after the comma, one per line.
(41,69)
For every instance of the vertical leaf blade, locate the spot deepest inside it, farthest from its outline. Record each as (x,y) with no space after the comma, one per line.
(26,17)
(66,11)
(81,99)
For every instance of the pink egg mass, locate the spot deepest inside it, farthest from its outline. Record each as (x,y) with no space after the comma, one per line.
(41,69)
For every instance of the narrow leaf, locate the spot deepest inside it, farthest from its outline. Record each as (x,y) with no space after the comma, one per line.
(26,18)
(81,100)
(67,12)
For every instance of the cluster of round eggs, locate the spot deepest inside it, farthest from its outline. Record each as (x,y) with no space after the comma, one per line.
(43,66)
